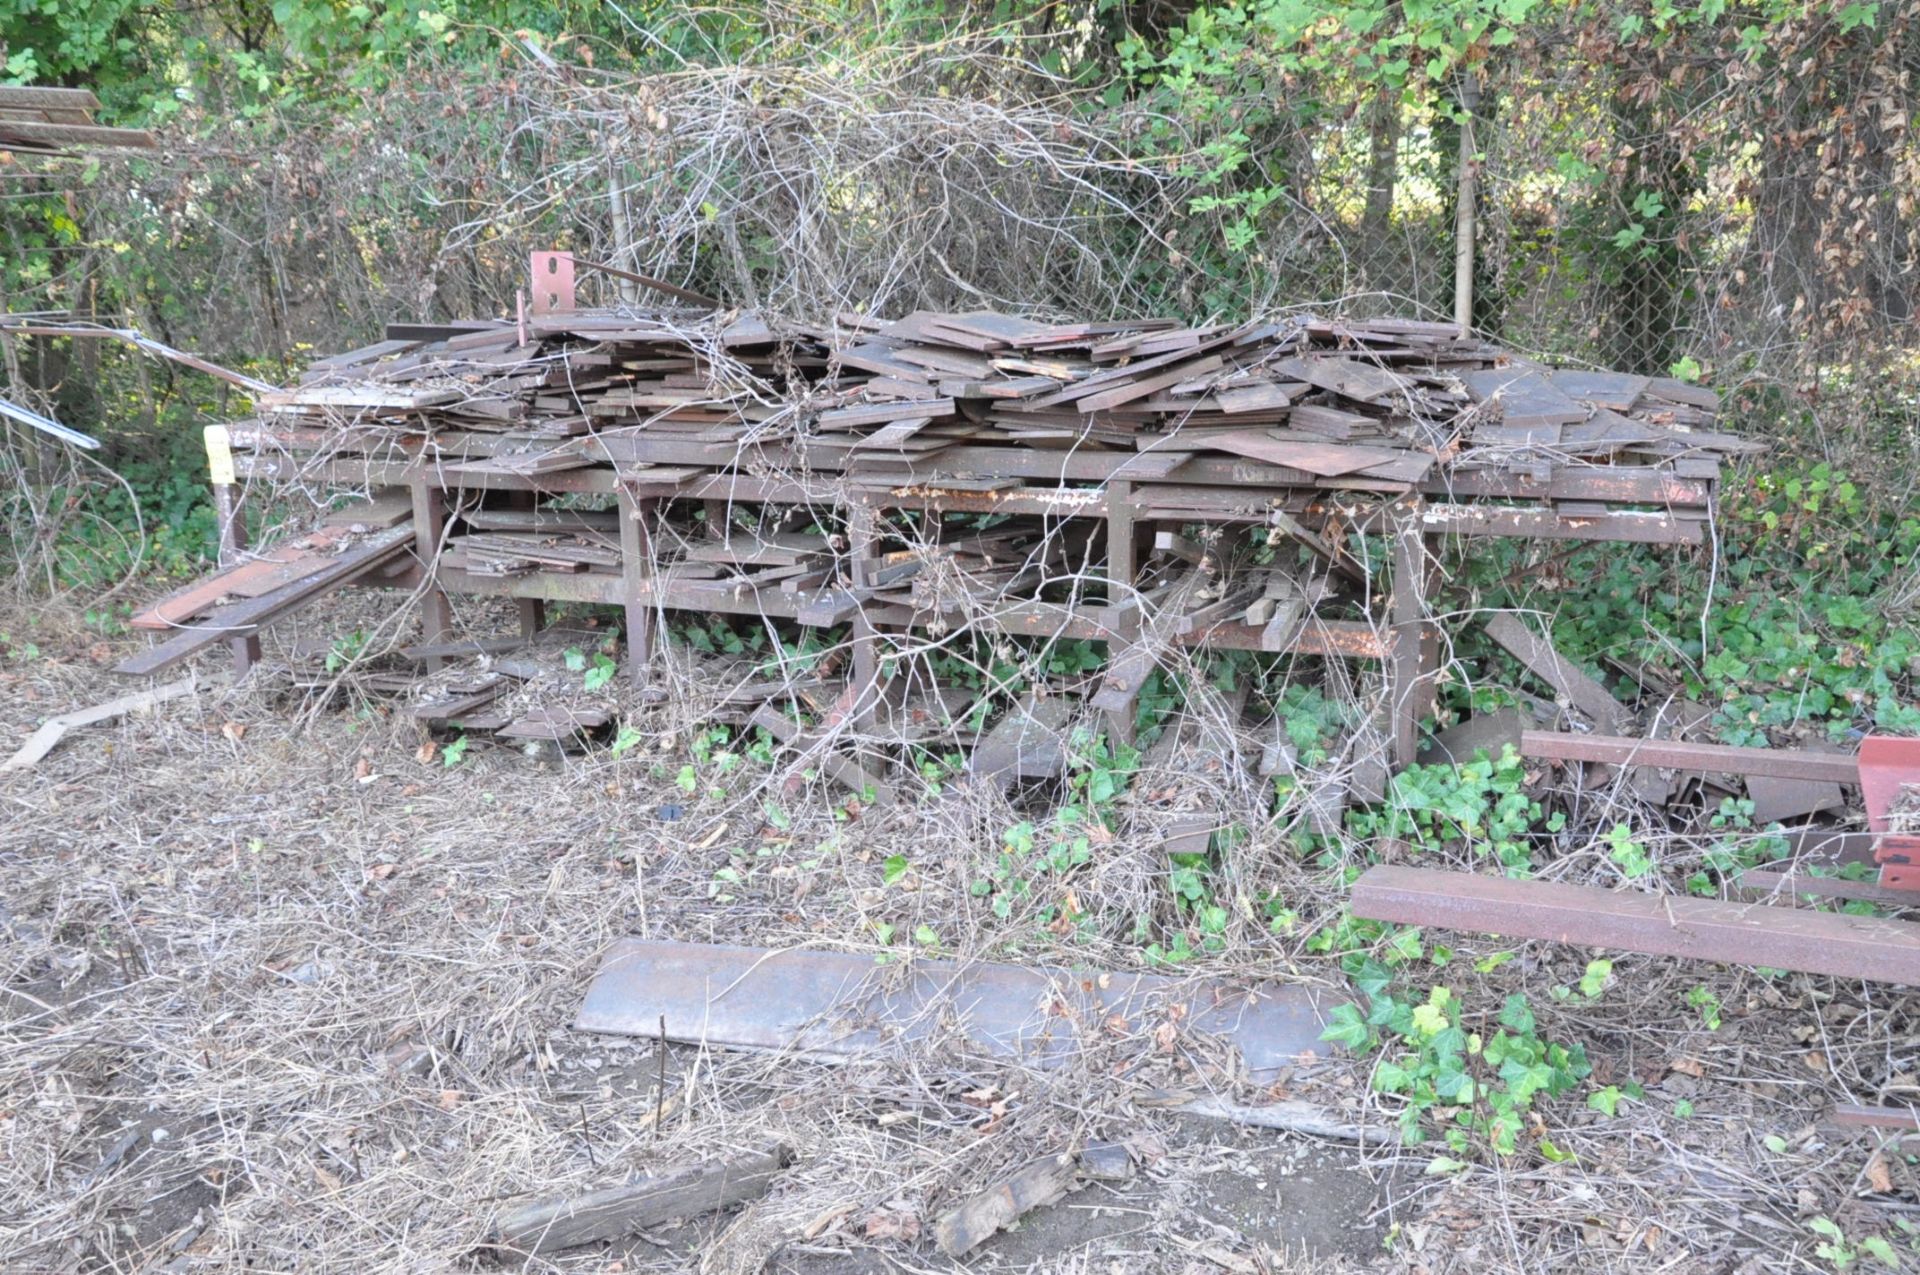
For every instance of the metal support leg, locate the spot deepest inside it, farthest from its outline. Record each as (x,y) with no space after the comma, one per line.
(1123,569)
(429,526)
(1426,694)
(636,572)
(861,540)
(533,611)
(1408,612)
(233,540)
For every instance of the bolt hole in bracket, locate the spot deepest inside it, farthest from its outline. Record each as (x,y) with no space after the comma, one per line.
(553,278)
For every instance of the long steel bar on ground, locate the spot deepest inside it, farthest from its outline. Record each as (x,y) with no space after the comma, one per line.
(1835,943)
(1670,754)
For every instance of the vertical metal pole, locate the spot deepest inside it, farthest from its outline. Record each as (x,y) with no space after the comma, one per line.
(1123,567)
(429,523)
(865,688)
(1408,611)
(532,611)
(232,525)
(636,572)
(1463,220)
(622,232)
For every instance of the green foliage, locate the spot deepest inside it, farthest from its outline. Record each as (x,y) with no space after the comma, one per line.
(1795,634)
(600,672)
(1481,807)
(345,649)
(1701,998)
(1474,1089)
(1607,1100)
(166,476)
(1841,1253)
(1036,862)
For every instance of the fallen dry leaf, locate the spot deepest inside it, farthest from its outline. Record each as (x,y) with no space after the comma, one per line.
(381,871)
(451,1098)
(893,1225)
(1879,1177)
(1689,1067)
(234,730)
(426,753)
(814,1229)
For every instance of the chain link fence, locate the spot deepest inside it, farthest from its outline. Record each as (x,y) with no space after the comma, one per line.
(1764,236)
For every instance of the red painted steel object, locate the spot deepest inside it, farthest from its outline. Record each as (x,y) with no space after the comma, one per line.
(1886,766)
(552,283)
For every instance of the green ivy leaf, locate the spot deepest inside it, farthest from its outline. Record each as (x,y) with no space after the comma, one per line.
(1348,1027)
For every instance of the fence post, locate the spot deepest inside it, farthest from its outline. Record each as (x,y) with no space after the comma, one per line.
(1463,210)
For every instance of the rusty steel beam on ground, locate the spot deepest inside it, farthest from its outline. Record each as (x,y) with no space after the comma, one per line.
(1853,1115)
(1672,754)
(1834,943)
(1789,882)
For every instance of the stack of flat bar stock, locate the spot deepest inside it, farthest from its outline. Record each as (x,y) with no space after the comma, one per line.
(1371,405)
(1081,480)
(35,120)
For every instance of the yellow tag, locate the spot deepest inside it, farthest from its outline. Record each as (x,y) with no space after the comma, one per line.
(219,456)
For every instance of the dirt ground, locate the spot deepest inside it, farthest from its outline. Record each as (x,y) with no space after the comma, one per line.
(281,990)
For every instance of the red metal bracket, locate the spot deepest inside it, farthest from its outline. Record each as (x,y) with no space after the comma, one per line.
(552,289)
(1886,766)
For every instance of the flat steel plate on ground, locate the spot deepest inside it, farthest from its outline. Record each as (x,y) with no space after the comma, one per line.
(839,1004)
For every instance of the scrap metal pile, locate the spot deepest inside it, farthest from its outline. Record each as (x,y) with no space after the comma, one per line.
(54,121)
(902,488)
(1134,482)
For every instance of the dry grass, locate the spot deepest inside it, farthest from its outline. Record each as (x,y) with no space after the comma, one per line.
(225,925)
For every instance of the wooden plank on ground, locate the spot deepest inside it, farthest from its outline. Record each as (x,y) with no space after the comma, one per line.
(546,1225)
(1003,1203)
(54,729)
(555,722)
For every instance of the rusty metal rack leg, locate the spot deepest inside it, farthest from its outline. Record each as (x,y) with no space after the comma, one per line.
(227,507)
(532,611)
(862,544)
(636,580)
(1408,607)
(1123,570)
(429,525)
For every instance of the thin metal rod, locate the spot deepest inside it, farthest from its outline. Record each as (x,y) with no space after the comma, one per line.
(33,420)
(658,285)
